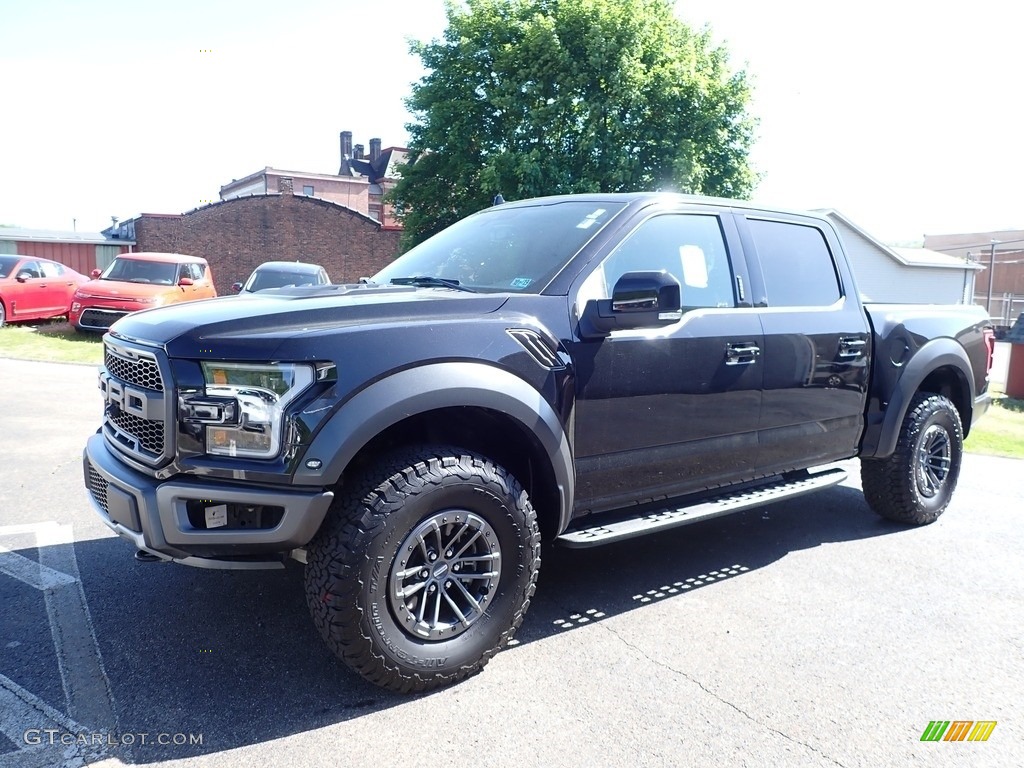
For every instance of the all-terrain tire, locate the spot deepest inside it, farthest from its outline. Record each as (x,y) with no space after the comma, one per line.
(424,567)
(916,483)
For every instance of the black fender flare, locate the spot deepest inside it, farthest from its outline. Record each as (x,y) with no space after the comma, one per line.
(936,354)
(438,385)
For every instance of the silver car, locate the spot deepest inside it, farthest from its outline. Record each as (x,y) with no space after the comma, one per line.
(283,274)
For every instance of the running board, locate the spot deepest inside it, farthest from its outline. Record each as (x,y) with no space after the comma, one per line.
(727,503)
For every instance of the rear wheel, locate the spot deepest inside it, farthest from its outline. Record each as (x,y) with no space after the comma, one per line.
(425,569)
(916,483)
(3,314)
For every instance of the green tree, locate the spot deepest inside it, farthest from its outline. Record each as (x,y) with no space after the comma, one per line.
(541,97)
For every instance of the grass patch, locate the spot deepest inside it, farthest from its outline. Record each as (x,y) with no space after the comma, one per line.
(1011,404)
(1000,432)
(54,341)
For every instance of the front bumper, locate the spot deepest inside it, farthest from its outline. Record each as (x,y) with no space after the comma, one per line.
(161,517)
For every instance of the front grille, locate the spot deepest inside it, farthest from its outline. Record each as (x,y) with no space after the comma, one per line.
(136,402)
(98,487)
(94,318)
(150,434)
(142,372)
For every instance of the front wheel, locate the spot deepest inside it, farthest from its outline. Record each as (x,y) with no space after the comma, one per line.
(916,483)
(425,569)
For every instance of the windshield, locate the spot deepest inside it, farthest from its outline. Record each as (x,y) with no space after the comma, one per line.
(505,248)
(138,271)
(261,280)
(7,264)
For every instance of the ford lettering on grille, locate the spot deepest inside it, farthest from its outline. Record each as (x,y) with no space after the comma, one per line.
(131,399)
(134,403)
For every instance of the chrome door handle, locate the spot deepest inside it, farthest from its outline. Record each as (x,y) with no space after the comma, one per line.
(741,354)
(852,347)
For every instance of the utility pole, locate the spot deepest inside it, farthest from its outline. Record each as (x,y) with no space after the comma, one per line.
(991,273)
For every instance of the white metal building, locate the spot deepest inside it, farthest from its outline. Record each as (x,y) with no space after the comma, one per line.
(904,275)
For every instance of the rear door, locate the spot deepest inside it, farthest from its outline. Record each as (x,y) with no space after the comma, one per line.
(816,342)
(57,287)
(665,412)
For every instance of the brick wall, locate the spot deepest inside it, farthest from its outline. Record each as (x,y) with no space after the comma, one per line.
(159,232)
(237,235)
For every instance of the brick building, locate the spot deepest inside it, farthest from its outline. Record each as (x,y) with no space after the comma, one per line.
(360,184)
(1002,249)
(238,234)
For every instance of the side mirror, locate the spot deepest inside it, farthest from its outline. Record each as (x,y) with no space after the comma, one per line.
(639,300)
(185,281)
(95,273)
(236,287)
(23,276)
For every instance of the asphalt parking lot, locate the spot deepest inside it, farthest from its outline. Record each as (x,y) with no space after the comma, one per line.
(809,633)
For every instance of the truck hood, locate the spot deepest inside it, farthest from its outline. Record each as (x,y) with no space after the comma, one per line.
(238,327)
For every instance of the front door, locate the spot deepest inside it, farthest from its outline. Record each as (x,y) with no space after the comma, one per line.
(670,411)
(29,291)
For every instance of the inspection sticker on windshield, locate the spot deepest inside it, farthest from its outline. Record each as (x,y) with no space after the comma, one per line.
(521,282)
(591,219)
(217,517)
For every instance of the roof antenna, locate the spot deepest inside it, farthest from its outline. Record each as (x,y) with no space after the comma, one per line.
(498,199)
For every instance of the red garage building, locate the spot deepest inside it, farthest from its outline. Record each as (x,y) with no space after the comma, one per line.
(82,251)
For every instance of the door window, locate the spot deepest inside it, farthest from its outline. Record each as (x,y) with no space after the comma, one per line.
(51,269)
(30,268)
(796,263)
(690,247)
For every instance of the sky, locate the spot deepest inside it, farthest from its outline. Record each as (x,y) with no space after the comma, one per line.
(904,115)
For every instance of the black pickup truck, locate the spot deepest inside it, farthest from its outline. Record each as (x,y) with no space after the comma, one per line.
(576,369)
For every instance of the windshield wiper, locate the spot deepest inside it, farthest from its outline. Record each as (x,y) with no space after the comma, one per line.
(426,281)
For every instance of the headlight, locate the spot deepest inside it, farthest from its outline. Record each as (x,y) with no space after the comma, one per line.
(250,402)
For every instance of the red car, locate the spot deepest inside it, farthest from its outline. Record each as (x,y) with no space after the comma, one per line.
(35,289)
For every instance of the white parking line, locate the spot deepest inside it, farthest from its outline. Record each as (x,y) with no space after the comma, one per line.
(86,686)
(22,711)
(30,572)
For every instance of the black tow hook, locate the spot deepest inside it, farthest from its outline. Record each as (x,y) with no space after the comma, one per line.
(146,557)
